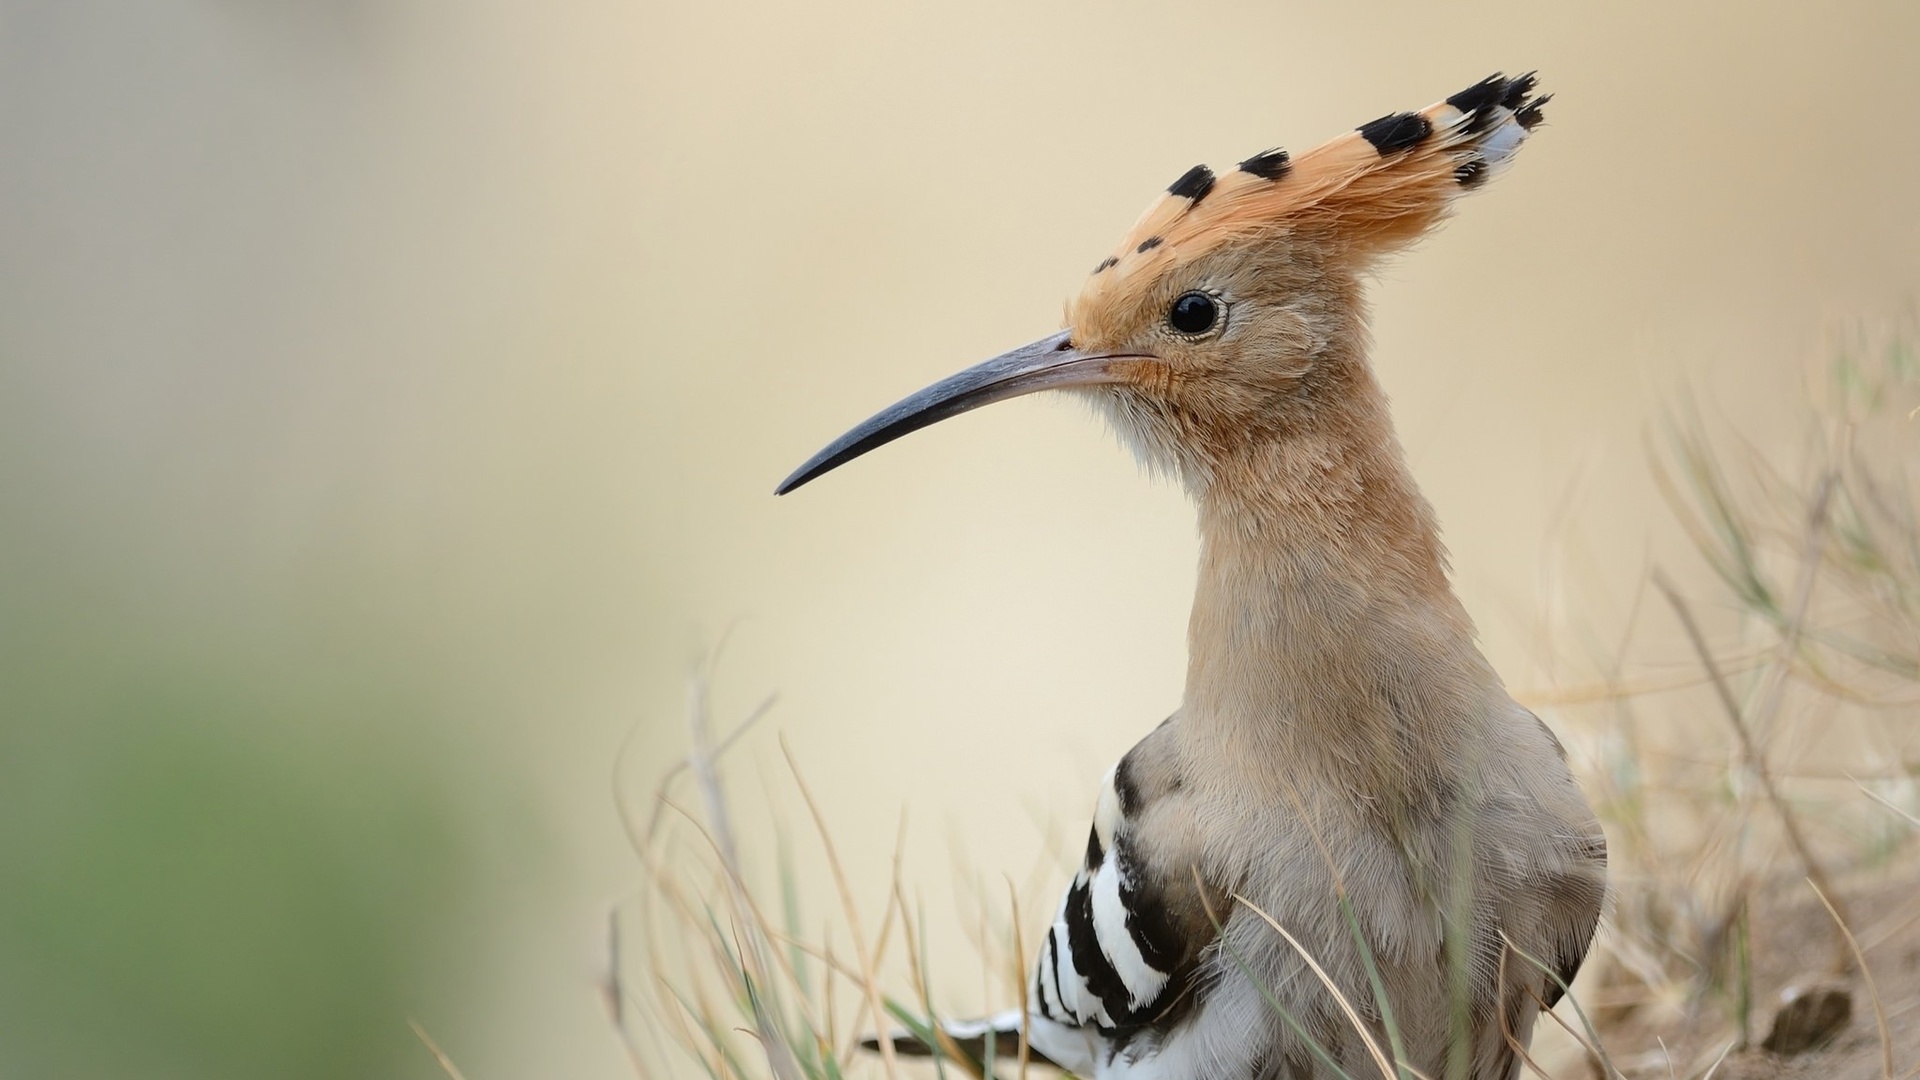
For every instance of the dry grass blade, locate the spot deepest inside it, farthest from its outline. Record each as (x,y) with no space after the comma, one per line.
(1399,1067)
(947,1049)
(1891,928)
(763,927)
(1591,1040)
(1266,993)
(1813,550)
(639,837)
(1020,979)
(1506,1032)
(748,927)
(1715,1067)
(736,937)
(613,994)
(1353,1016)
(868,979)
(1886,802)
(1788,819)
(1866,973)
(439,1056)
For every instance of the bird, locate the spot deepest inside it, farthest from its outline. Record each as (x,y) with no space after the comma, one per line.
(1348,850)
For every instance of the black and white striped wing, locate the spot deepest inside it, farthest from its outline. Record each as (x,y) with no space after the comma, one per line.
(1117,966)
(1118,972)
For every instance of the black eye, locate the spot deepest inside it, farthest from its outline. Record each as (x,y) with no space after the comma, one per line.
(1193,313)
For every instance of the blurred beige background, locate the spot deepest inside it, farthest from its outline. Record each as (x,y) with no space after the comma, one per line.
(391,396)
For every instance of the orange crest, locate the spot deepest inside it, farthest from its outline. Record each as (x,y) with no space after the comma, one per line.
(1363,194)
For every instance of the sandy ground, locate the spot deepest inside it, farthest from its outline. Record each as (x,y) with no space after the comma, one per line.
(1794,948)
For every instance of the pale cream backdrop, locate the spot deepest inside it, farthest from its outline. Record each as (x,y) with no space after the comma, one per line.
(486,329)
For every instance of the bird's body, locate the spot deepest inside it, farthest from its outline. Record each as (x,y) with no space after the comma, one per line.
(1348,843)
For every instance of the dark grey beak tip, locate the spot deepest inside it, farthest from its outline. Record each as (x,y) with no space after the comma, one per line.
(1045,364)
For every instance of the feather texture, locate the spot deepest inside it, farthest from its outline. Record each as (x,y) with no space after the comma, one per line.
(1375,188)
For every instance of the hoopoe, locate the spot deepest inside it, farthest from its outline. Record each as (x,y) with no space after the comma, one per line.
(1344,763)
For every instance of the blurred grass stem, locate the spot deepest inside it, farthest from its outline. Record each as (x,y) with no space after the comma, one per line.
(1788,819)
(439,1056)
(869,980)
(752,944)
(1866,973)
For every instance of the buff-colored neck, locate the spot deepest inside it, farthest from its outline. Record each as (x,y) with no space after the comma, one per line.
(1324,624)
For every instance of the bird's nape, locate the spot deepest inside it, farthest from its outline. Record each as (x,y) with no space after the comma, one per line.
(1048,364)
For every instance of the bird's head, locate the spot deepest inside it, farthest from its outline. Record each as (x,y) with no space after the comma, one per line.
(1223,319)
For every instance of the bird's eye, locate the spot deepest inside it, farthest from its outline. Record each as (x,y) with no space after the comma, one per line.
(1193,313)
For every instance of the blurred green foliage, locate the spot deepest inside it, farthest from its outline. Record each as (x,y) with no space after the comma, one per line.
(207,875)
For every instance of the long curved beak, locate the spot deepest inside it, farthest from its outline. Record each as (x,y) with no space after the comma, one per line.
(1047,364)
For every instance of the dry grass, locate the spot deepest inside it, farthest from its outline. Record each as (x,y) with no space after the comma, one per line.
(1736,876)
(730,990)
(1809,653)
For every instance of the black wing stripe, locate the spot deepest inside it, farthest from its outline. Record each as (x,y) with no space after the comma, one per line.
(1053,965)
(1039,1000)
(1147,923)
(1083,942)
